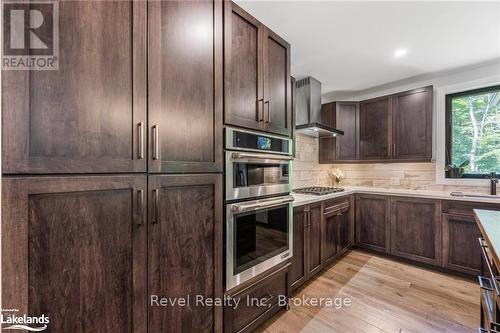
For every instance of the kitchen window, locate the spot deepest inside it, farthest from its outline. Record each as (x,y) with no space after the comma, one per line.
(473,131)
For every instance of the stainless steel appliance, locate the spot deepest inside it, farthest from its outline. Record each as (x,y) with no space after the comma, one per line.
(259,207)
(256,164)
(318,190)
(258,237)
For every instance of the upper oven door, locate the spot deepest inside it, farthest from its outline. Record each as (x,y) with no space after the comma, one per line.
(250,175)
(258,237)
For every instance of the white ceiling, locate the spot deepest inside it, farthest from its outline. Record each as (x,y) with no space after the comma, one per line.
(351,45)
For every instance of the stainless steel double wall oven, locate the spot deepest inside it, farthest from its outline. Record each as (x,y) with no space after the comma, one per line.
(258,203)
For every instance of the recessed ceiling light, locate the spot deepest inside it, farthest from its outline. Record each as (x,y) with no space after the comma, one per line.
(400,53)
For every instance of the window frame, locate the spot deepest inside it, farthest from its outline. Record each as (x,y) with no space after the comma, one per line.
(448,125)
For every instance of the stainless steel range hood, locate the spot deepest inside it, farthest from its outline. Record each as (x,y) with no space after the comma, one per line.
(308,110)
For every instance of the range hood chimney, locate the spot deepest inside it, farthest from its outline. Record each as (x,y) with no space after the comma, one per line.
(308,110)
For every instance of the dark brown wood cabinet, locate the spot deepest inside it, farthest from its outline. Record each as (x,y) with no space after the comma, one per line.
(258,301)
(184,250)
(298,267)
(375,126)
(372,222)
(185,86)
(75,247)
(337,227)
(313,239)
(342,148)
(88,116)
(416,231)
(329,242)
(257,89)
(412,125)
(461,249)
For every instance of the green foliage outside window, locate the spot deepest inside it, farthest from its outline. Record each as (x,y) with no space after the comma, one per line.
(475,130)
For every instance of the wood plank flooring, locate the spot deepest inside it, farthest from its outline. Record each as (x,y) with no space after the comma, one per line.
(387,296)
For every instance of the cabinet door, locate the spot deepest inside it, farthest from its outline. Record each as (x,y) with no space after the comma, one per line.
(277,95)
(416,229)
(374,129)
(372,222)
(74,248)
(329,241)
(243,70)
(86,116)
(313,250)
(327,145)
(461,250)
(185,250)
(345,230)
(185,86)
(412,125)
(297,270)
(346,119)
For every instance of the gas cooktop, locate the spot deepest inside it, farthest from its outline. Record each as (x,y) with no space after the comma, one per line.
(318,190)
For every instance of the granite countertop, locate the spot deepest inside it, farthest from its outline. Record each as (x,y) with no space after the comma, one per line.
(489,224)
(304,199)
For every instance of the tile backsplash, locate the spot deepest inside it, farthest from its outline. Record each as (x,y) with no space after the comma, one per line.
(416,176)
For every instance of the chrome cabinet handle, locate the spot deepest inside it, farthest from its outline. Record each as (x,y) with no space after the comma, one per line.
(140,194)
(156,207)
(268,113)
(393,150)
(238,156)
(260,110)
(244,208)
(140,127)
(156,153)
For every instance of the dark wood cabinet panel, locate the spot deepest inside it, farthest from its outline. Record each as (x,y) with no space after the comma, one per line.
(330,235)
(412,125)
(75,247)
(461,250)
(416,231)
(372,222)
(347,120)
(298,268)
(345,238)
(314,237)
(375,116)
(277,92)
(243,68)
(266,290)
(83,117)
(184,254)
(185,86)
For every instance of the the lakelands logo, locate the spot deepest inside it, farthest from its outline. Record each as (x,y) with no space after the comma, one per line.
(30,35)
(14,321)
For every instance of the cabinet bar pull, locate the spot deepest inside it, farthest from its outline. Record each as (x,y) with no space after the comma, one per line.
(155,143)
(393,150)
(268,113)
(140,127)
(260,110)
(140,194)
(156,207)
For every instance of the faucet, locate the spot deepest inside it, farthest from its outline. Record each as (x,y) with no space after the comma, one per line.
(493,183)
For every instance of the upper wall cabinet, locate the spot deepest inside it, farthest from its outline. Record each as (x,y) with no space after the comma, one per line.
(374,128)
(185,86)
(393,128)
(412,125)
(257,74)
(87,116)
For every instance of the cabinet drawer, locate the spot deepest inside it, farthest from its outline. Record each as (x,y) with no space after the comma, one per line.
(466,208)
(336,204)
(257,302)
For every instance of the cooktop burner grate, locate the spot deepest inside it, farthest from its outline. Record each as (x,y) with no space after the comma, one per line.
(318,190)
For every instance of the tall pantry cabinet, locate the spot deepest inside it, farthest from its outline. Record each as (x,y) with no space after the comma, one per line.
(111,187)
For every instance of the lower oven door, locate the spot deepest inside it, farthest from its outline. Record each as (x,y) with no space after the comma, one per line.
(258,237)
(250,175)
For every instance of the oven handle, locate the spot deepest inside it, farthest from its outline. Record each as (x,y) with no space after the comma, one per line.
(244,208)
(239,156)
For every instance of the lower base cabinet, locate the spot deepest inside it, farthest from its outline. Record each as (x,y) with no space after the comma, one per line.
(184,251)
(258,300)
(77,247)
(373,222)
(74,249)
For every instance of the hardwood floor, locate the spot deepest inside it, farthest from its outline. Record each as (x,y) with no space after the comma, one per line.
(387,296)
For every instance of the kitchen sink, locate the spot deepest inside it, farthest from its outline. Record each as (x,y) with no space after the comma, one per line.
(468,195)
